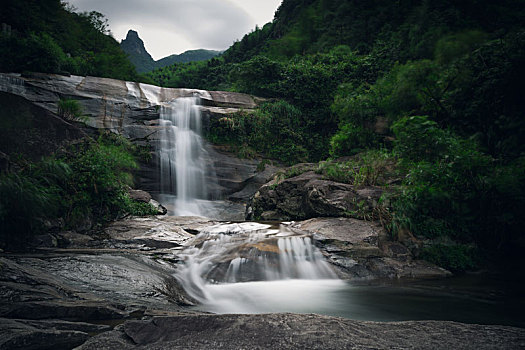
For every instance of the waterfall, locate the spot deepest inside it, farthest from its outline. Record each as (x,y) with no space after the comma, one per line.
(250,267)
(184,174)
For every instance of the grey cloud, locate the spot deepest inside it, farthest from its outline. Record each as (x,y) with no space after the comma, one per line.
(204,23)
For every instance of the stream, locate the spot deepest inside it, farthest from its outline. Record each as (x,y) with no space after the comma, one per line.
(257,268)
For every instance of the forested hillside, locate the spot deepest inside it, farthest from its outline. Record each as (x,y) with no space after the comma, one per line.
(48,36)
(434,87)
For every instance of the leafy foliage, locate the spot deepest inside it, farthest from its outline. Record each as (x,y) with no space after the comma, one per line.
(453,257)
(86,186)
(271,130)
(47,36)
(70,109)
(370,168)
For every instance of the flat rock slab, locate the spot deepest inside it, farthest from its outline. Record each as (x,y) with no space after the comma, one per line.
(299,331)
(157,232)
(342,229)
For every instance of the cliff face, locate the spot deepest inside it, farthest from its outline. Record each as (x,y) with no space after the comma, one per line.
(122,107)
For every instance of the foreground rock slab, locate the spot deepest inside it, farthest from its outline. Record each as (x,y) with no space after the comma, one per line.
(19,335)
(294,331)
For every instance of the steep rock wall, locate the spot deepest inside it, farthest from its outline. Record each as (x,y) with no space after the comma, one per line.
(132,109)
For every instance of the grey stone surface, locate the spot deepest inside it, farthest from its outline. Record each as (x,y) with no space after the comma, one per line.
(18,335)
(294,331)
(112,104)
(362,250)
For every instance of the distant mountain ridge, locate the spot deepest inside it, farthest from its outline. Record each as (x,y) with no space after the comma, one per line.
(142,60)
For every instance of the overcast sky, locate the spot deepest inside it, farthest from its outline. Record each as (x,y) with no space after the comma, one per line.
(174,26)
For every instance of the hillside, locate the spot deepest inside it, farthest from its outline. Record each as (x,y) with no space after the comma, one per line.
(139,56)
(49,37)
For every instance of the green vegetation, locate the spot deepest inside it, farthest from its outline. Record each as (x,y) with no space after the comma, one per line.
(370,168)
(436,86)
(85,185)
(71,110)
(271,130)
(454,257)
(48,37)
(428,92)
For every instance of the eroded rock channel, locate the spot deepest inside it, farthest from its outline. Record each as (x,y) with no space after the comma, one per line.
(120,290)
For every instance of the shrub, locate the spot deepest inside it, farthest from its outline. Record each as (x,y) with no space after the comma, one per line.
(369,168)
(87,186)
(453,257)
(27,197)
(351,139)
(70,109)
(418,139)
(271,130)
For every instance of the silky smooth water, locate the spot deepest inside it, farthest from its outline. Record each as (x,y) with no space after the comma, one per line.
(251,267)
(256,268)
(184,162)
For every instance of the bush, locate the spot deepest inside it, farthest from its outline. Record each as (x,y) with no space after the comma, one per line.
(351,139)
(87,186)
(369,168)
(419,139)
(27,197)
(454,257)
(70,109)
(271,130)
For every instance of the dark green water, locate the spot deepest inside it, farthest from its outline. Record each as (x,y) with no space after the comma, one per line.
(477,299)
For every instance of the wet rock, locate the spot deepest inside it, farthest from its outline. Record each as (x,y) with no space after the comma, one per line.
(70,239)
(46,240)
(362,250)
(109,103)
(126,108)
(161,210)
(18,335)
(308,195)
(231,172)
(74,310)
(160,232)
(66,325)
(294,331)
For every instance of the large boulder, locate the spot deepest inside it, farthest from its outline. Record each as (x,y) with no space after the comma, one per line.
(308,195)
(362,250)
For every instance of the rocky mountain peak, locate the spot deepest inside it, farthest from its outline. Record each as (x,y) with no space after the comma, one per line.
(132,35)
(133,45)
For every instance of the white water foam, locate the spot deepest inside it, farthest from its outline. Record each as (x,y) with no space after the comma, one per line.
(256,268)
(183,158)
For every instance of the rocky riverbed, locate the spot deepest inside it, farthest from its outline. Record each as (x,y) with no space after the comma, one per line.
(116,290)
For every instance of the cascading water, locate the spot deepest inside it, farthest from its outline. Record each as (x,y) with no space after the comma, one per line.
(254,268)
(184,175)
